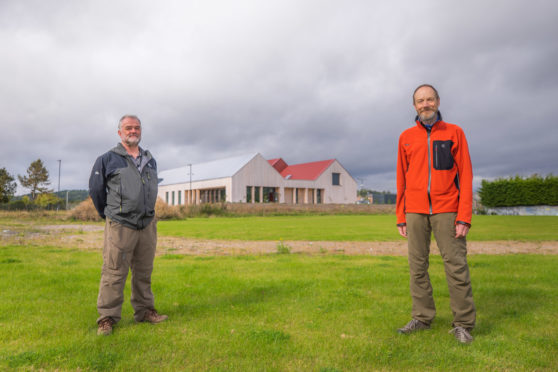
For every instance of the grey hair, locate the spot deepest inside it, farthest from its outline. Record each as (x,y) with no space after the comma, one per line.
(128,117)
(428,86)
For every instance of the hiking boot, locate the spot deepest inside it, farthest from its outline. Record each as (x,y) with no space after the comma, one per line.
(152,317)
(462,335)
(105,327)
(413,326)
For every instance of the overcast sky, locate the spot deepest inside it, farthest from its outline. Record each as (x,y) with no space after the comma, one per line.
(299,79)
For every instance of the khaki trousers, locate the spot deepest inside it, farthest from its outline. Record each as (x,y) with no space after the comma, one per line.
(454,255)
(126,248)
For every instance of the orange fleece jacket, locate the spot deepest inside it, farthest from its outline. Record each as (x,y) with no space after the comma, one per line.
(434,172)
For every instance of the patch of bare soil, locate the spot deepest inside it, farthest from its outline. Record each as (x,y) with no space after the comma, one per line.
(90,237)
(71,227)
(398,248)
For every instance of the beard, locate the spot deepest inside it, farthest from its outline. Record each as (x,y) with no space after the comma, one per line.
(428,115)
(133,140)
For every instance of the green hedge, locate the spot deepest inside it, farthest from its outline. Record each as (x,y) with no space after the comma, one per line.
(534,190)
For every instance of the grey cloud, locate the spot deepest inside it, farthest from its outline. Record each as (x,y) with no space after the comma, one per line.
(300,80)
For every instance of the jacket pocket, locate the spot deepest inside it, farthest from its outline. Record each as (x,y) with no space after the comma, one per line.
(130,190)
(114,194)
(443,159)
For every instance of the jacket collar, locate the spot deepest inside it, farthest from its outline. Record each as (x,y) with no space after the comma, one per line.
(437,123)
(120,150)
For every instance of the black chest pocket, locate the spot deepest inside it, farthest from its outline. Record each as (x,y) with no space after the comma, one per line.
(443,160)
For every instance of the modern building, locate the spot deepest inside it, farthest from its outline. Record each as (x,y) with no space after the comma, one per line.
(252,179)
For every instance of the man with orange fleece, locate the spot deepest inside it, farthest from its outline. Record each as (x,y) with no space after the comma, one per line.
(435,194)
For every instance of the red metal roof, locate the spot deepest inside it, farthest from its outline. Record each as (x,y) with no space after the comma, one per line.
(304,171)
(278,164)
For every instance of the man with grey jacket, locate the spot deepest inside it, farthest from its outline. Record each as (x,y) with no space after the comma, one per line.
(123,187)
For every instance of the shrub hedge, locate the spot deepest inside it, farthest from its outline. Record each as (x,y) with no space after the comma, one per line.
(516,191)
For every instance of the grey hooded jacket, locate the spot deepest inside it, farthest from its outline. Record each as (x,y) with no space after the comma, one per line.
(120,191)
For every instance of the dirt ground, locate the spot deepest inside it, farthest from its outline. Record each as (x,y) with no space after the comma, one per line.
(90,237)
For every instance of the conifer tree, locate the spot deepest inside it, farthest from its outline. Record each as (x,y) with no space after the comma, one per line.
(36,180)
(7,186)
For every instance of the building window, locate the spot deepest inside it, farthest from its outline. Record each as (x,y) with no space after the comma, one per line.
(223,195)
(248,194)
(172,197)
(257,194)
(335,179)
(269,195)
(319,196)
(167,197)
(179,197)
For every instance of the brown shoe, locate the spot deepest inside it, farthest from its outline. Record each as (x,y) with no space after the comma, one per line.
(152,317)
(105,327)
(413,326)
(462,335)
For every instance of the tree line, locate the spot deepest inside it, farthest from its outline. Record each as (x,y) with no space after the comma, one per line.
(36,180)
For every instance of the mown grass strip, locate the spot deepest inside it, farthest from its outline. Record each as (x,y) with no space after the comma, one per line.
(350,228)
(323,227)
(274,312)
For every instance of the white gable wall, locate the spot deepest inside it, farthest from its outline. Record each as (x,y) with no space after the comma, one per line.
(257,172)
(345,193)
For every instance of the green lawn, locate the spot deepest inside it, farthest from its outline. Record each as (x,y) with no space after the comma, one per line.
(275,313)
(350,228)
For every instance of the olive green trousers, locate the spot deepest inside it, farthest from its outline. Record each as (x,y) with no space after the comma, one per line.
(125,249)
(454,254)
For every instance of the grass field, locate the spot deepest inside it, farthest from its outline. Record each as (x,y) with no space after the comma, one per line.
(350,228)
(378,227)
(274,313)
(278,312)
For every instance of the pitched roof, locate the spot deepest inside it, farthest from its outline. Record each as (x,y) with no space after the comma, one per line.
(205,171)
(306,171)
(230,166)
(278,164)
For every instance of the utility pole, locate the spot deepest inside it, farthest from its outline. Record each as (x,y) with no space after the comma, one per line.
(59,166)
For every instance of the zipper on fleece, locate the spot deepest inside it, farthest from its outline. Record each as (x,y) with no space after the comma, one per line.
(436,160)
(429,170)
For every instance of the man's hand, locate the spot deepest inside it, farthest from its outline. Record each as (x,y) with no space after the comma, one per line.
(461,230)
(402,230)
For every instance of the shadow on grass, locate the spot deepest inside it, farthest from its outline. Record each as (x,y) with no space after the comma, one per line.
(243,298)
(500,305)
